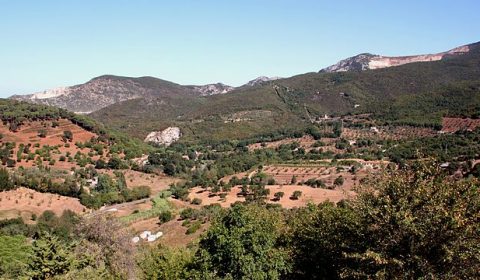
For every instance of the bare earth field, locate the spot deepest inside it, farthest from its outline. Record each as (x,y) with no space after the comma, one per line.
(25,202)
(309,195)
(451,125)
(305,142)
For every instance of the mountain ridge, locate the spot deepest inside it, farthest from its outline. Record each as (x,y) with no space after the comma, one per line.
(102,91)
(368,61)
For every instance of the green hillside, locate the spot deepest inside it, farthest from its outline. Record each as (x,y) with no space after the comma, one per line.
(415,94)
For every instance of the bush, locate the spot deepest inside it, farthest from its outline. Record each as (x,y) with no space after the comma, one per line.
(193,227)
(187,213)
(196,201)
(339,181)
(296,195)
(42,133)
(165,216)
(278,195)
(67,136)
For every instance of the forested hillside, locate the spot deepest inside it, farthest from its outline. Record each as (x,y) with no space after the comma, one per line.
(416,94)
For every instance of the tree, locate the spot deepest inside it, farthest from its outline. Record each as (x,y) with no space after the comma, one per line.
(100,164)
(169,169)
(42,133)
(278,195)
(15,253)
(294,180)
(296,195)
(418,224)
(339,181)
(164,263)
(165,216)
(320,235)
(50,257)
(114,162)
(243,244)
(67,136)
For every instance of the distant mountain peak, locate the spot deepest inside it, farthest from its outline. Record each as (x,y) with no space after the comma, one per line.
(261,80)
(367,61)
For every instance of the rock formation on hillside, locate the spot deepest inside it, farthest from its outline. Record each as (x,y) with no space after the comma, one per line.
(212,89)
(368,61)
(261,80)
(165,137)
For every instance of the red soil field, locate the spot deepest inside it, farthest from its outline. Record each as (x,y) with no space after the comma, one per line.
(28,133)
(25,202)
(451,125)
(309,195)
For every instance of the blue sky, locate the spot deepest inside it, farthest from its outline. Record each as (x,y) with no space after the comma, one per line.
(46,44)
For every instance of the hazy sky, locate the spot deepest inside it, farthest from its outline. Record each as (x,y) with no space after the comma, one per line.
(46,44)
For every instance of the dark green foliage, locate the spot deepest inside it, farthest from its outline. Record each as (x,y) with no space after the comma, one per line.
(5,181)
(196,201)
(100,164)
(463,145)
(339,181)
(15,227)
(320,237)
(296,195)
(113,190)
(187,213)
(42,133)
(242,244)
(49,257)
(416,224)
(67,136)
(419,224)
(278,195)
(165,216)
(164,263)
(315,183)
(476,170)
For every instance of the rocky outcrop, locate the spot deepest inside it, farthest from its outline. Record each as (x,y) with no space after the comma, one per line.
(165,137)
(106,90)
(89,97)
(368,61)
(260,81)
(212,89)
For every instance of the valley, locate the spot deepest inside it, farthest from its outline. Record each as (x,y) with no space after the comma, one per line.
(156,170)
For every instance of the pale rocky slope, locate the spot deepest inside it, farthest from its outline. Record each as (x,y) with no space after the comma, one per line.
(370,61)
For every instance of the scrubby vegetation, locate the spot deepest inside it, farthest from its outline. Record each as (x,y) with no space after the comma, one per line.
(414,223)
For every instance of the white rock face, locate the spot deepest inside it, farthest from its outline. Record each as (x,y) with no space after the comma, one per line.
(50,93)
(370,61)
(213,89)
(165,137)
